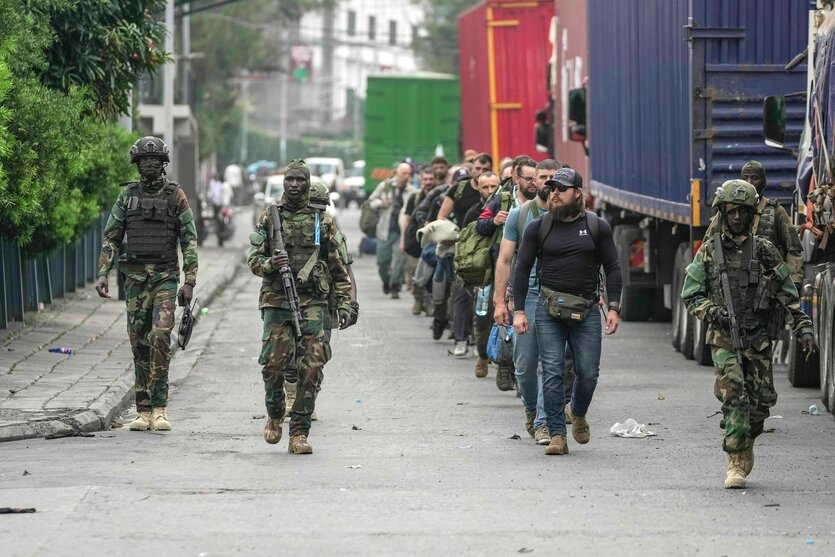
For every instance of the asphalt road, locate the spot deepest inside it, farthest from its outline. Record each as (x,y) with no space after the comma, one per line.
(415,455)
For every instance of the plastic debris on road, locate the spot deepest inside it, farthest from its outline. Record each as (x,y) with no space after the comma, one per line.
(61,350)
(630,428)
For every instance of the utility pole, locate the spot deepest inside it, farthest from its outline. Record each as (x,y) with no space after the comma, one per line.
(327,66)
(244,119)
(168,76)
(186,77)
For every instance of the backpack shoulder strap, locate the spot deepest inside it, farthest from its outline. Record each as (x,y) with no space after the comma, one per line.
(524,211)
(459,189)
(545,226)
(593,222)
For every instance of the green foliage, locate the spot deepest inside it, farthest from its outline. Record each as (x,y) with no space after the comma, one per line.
(438,50)
(104,45)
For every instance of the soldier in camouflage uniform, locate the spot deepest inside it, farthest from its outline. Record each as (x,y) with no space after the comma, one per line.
(312,247)
(319,200)
(763,296)
(155,216)
(771,222)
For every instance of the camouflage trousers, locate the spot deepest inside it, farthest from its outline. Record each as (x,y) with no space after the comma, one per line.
(743,410)
(285,356)
(150,320)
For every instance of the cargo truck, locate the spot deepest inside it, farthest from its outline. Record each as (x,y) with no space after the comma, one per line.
(815,193)
(672,108)
(409,115)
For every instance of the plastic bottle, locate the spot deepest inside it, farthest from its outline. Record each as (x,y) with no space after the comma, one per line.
(482,302)
(61,350)
(813,410)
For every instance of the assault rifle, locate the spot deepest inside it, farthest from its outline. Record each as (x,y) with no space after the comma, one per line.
(719,258)
(287,280)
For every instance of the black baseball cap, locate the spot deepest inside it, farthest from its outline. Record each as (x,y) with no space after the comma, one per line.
(567,177)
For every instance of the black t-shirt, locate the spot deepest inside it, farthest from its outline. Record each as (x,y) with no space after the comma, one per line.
(568,262)
(473,213)
(467,199)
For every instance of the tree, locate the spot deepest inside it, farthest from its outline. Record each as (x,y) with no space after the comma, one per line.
(438,49)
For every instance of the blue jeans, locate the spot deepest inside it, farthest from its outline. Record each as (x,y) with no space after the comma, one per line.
(526,363)
(584,338)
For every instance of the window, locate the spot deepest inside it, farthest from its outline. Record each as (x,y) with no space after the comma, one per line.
(392,32)
(352,23)
(372,27)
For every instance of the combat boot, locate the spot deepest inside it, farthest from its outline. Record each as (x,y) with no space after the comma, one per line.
(736,474)
(299,445)
(580,430)
(503,379)
(569,416)
(542,436)
(481,367)
(142,421)
(289,399)
(558,445)
(159,419)
(747,457)
(530,416)
(272,431)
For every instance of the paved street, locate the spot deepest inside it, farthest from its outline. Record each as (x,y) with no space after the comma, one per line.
(415,455)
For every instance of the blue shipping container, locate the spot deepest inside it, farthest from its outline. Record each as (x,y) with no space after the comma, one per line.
(675,95)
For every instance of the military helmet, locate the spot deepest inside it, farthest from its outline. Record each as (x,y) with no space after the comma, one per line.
(319,193)
(149,146)
(738,192)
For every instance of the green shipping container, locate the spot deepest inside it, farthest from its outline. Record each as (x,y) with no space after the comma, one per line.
(409,116)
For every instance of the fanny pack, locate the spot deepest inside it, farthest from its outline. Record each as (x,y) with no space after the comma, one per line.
(568,308)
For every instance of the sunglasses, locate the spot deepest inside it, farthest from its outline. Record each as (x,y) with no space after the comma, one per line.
(562,188)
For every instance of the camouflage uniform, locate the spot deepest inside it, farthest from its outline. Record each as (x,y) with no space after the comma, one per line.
(317,266)
(150,288)
(747,395)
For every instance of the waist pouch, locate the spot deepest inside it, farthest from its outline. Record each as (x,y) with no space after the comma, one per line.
(565,307)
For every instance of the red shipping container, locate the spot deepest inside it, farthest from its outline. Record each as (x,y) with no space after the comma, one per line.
(505,56)
(570,69)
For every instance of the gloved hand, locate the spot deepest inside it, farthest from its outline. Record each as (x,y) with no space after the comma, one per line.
(185,294)
(809,346)
(355,314)
(720,318)
(344,318)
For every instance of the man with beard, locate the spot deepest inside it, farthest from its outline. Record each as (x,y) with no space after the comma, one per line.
(155,215)
(568,257)
(525,347)
(409,244)
(312,257)
(440,167)
(461,197)
(388,198)
(762,293)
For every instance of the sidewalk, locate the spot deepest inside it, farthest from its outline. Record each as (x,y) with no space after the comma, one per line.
(43,393)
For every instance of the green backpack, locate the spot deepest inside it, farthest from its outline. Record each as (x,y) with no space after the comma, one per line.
(473,256)
(369,217)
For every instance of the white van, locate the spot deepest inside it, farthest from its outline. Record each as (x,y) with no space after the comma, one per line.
(329,169)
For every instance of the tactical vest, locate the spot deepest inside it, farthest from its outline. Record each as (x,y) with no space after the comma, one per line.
(767,226)
(743,286)
(152,225)
(307,259)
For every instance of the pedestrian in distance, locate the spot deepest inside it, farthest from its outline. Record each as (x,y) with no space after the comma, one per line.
(388,198)
(155,215)
(740,286)
(295,250)
(569,244)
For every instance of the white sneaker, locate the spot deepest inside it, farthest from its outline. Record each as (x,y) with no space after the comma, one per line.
(459,350)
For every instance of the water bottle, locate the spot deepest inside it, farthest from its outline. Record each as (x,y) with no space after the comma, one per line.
(482,302)
(61,350)
(813,410)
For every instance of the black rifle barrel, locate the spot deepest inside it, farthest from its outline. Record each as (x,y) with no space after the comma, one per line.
(287,280)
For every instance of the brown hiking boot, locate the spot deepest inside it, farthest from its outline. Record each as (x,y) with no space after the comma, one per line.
(159,419)
(747,460)
(558,445)
(580,430)
(569,417)
(142,422)
(272,431)
(299,445)
(541,435)
(736,474)
(289,399)
(481,367)
(530,416)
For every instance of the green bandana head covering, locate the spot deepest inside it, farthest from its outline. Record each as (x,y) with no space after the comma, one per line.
(300,199)
(755,167)
(301,166)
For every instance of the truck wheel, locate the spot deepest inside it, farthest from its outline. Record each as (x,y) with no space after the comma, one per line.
(701,350)
(802,373)
(636,303)
(825,338)
(682,321)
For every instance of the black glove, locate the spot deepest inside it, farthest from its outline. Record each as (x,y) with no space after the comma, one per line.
(355,314)
(720,318)
(809,346)
(344,318)
(184,297)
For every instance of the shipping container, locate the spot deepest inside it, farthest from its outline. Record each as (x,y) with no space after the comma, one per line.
(674,108)
(414,115)
(569,72)
(505,53)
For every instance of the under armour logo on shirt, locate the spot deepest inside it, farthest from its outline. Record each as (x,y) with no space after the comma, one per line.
(584,233)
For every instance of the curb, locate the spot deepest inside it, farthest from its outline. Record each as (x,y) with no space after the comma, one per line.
(118,396)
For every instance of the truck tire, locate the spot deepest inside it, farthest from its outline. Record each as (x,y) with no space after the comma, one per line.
(636,303)
(825,338)
(701,350)
(679,310)
(802,373)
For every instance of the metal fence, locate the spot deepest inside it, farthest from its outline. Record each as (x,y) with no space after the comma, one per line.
(29,283)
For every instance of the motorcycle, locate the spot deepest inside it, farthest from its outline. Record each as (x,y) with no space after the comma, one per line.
(207,224)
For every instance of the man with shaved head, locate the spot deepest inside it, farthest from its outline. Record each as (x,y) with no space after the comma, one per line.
(388,198)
